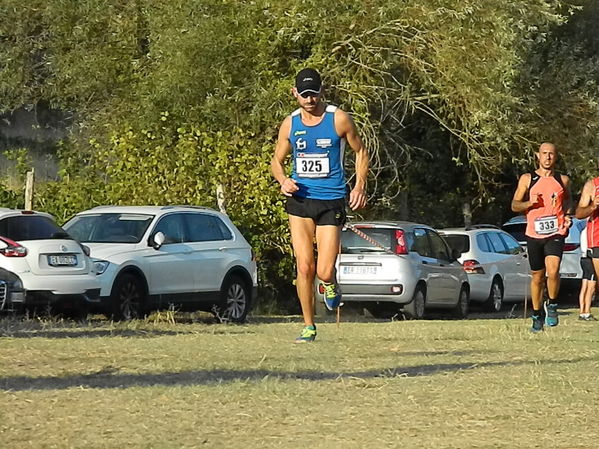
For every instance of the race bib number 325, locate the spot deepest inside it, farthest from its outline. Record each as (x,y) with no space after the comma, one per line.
(312,165)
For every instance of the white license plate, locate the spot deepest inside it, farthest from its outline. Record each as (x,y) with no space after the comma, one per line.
(359,269)
(62,260)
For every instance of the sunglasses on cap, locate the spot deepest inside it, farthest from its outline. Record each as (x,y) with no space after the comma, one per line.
(309,93)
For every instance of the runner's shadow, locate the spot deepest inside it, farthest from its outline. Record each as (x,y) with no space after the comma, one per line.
(110,378)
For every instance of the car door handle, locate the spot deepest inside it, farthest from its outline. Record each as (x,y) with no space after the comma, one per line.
(222,248)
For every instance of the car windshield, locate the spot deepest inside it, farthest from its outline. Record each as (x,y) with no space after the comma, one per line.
(109,227)
(31,227)
(460,242)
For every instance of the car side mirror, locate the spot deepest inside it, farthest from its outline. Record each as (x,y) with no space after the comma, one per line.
(455,254)
(157,240)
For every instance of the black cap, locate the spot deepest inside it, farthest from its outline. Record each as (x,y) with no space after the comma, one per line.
(308,81)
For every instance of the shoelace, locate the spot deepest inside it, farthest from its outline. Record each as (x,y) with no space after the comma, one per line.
(330,289)
(308,332)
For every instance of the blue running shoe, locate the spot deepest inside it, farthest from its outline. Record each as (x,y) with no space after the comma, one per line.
(551,318)
(308,335)
(331,294)
(537,324)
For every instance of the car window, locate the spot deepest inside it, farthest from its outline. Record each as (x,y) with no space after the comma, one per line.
(512,245)
(109,227)
(516,230)
(461,242)
(421,243)
(483,243)
(352,243)
(172,227)
(31,227)
(438,246)
(205,228)
(497,243)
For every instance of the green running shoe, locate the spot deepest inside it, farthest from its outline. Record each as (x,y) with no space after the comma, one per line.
(551,318)
(537,324)
(308,335)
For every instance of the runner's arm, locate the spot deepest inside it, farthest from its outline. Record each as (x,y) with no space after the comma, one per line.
(277,163)
(587,204)
(345,127)
(518,203)
(568,203)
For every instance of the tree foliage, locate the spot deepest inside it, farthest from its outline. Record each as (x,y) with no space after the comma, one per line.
(169,100)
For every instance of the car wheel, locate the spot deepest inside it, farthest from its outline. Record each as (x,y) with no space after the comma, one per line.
(463,306)
(415,309)
(235,300)
(495,300)
(127,298)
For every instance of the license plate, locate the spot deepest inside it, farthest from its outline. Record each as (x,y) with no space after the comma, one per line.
(359,269)
(62,260)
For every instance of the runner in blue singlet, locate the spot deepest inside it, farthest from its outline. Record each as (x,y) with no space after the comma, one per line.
(316,135)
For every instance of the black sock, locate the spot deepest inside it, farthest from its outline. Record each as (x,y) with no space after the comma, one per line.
(537,313)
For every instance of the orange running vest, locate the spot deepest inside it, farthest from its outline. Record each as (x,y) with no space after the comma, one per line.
(593,224)
(547,219)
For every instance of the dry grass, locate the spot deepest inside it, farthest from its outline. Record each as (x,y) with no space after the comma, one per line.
(161,383)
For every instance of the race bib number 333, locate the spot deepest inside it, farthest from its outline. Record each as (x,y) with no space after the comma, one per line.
(312,165)
(546,225)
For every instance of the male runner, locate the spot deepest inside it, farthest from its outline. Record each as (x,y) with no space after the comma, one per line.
(588,206)
(544,196)
(316,135)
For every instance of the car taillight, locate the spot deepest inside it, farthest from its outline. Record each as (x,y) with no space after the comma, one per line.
(400,242)
(13,249)
(473,267)
(570,246)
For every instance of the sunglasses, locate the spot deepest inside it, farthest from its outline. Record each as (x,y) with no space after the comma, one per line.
(308,94)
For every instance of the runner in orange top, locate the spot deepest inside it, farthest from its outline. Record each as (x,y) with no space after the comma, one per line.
(588,206)
(544,196)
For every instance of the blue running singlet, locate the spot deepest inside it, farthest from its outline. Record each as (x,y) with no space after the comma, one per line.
(317,157)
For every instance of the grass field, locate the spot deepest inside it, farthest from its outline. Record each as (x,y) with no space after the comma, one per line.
(478,383)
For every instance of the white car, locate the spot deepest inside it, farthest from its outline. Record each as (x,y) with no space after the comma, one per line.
(388,266)
(570,269)
(496,264)
(42,267)
(156,257)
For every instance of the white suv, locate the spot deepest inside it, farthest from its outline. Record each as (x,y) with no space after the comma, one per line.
(42,267)
(497,266)
(156,257)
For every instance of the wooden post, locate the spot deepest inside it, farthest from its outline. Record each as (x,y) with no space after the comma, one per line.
(29,190)
(220,198)
(467,214)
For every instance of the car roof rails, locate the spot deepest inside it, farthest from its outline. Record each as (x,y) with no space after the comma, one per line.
(482,226)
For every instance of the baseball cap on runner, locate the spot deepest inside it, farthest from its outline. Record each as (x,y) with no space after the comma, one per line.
(308,81)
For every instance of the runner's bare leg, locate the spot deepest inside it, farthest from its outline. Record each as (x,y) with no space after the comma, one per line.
(302,238)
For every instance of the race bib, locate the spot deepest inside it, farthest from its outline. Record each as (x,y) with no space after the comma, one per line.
(312,165)
(546,225)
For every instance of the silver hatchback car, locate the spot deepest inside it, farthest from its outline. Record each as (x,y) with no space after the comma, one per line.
(391,266)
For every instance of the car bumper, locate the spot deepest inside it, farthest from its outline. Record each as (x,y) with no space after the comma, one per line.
(395,292)
(27,290)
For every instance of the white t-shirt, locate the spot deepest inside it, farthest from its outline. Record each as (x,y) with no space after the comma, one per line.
(583,242)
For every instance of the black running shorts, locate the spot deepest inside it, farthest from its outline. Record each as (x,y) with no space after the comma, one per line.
(588,270)
(538,249)
(323,212)
(593,253)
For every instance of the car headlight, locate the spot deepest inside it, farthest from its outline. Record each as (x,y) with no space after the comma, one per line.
(100,266)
